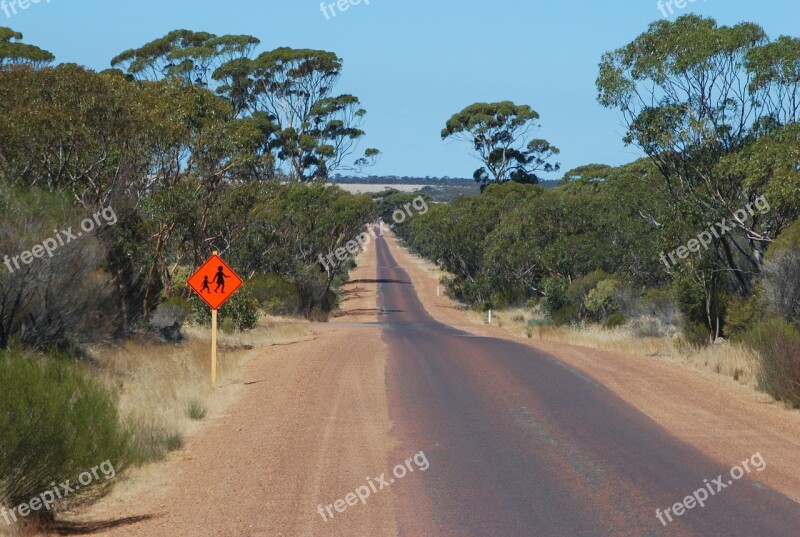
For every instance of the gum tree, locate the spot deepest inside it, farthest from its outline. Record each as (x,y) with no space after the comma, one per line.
(500,135)
(316,131)
(693,96)
(14,52)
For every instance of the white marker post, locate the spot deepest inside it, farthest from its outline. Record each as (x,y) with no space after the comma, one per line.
(490,316)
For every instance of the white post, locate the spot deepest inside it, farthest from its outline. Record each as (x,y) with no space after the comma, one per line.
(490,316)
(437,290)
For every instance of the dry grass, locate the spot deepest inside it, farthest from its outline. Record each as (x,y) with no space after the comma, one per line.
(157,382)
(733,360)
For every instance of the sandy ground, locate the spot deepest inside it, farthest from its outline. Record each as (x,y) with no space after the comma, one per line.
(310,424)
(720,417)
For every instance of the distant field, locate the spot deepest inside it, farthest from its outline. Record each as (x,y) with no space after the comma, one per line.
(369,189)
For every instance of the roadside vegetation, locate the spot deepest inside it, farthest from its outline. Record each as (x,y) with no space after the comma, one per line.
(698,242)
(191,144)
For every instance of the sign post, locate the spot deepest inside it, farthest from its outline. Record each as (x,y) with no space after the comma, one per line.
(214,272)
(213,348)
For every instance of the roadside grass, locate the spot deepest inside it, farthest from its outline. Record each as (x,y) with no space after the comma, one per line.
(165,389)
(734,360)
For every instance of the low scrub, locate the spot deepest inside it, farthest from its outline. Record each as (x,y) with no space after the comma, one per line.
(778,346)
(56,424)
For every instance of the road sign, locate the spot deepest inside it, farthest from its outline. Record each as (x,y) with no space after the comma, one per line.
(215,282)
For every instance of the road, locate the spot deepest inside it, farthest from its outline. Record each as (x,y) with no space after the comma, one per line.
(521,445)
(493,438)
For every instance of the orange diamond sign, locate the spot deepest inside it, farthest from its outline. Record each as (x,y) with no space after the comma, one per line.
(215,282)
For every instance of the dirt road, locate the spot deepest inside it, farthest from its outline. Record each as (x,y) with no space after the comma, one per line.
(509,440)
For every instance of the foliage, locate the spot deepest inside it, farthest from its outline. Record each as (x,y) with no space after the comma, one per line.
(56,424)
(778,346)
(54,300)
(241,309)
(601,302)
(14,52)
(275,294)
(712,106)
(499,134)
(615,320)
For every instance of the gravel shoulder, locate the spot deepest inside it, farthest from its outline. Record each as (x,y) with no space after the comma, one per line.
(310,423)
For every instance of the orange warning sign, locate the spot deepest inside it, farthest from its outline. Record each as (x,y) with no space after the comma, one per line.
(215,282)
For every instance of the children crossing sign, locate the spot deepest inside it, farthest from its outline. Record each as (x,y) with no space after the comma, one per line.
(215,282)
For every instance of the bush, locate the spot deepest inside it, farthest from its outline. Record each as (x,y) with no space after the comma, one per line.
(581,287)
(169,317)
(56,423)
(696,334)
(691,298)
(241,308)
(54,301)
(742,313)
(196,410)
(602,301)
(781,285)
(778,346)
(555,296)
(568,315)
(276,295)
(659,304)
(614,321)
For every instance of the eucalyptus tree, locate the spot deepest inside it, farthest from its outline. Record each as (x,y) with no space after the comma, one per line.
(316,130)
(693,96)
(14,52)
(500,135)
(190,56)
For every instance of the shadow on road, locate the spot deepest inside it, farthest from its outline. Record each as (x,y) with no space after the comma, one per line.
(88,528)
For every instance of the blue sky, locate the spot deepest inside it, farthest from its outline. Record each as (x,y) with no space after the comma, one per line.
(413,63)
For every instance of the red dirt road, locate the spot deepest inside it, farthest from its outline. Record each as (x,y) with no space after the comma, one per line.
(518,442)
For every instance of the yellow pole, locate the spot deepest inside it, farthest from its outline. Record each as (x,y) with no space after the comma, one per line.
(214,344)
(213,348)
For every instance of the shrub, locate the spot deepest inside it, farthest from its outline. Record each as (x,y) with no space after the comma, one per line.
(228,325)
(695,334)
(659,305)
(276,295)
(568,315)
(781,285)
(650,327)
(778,346)
(601,301)
(555,296)
(581,287)
(196,410)
(59,300)
(56,423)
(169,317)
(241,308)
(691,299)
(742,313)
(614,321)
